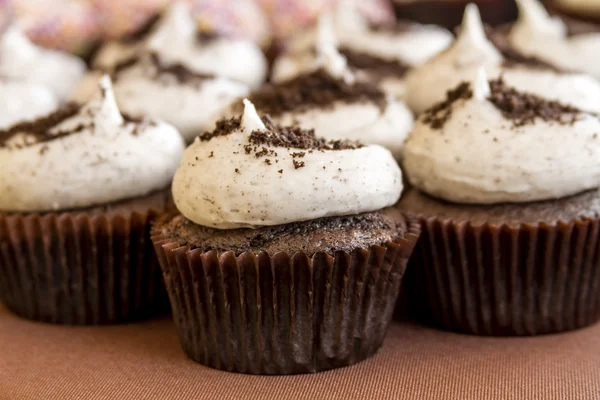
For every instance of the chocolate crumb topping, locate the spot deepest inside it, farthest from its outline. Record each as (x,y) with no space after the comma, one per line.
(223,128)
(523,108)
(294,137)
(38,129)
(437,115)
(158,69)
(315,90)
(377,66)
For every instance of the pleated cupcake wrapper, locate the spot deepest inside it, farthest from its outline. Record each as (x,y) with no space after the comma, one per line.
(502,280)
(76,268)
(283,314)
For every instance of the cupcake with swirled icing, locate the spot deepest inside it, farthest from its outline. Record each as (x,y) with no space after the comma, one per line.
(180,41)
(330,99)
(22,61)
(288,214)
(79,189)
(428,84)
(382,54)
(549,38)
(506,185)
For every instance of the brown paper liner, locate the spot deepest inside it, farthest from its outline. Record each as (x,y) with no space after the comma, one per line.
(502,280)
(283,314)
(77,268)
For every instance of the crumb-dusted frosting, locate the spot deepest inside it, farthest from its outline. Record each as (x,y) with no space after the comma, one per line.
(186,99)
(495,144)
(21,101)
(536,33)
(81,156)
(341,107)
(428,84)
(21,60)
(251,173)
(344,233)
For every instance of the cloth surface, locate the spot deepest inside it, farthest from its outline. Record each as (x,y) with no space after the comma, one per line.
(144,361)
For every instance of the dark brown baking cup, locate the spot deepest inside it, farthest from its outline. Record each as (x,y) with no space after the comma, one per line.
(80,269)
(503,280)
(283,314)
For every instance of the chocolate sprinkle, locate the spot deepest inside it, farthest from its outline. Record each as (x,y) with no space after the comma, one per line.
(223,128)
(315,90)
(377,66)
(437,115)
(523,108)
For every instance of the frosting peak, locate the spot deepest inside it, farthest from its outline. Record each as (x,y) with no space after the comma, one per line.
(176,24)
(534,17)
(250,119)
(472,41)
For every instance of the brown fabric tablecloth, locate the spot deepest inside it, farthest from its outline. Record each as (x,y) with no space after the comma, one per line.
(144,361)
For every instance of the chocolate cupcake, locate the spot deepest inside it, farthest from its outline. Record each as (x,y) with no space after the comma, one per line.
(509,212)
(329,98)
(287,257)
(79,190)
(552,39)
(24,62)
(428,84)
(382,53)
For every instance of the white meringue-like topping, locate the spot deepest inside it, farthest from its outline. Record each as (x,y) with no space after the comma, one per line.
(429,83)
(22,101)
(191,106)
(479,156)
(221,182)
(23,61)
(92,157)
(538,34)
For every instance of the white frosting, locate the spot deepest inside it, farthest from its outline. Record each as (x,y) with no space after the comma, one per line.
(189,106)
(108,159)
(114,52)
(20,101)
(478,156)
(23,61)
(538,34)
(219,185)
(429,83)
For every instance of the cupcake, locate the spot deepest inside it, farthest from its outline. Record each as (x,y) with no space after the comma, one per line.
(21,60)
(179,80)
(509,211)
(22,101)
(180,40)
(287,256)
(382,54)
(549,38)
(329,98)
(79,190)
(428,84)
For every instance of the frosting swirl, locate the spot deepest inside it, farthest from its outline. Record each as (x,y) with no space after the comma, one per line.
(82,156)
(428,84)
(22,101)
(21,60)
(275,175)
(489,143)
(536,33)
